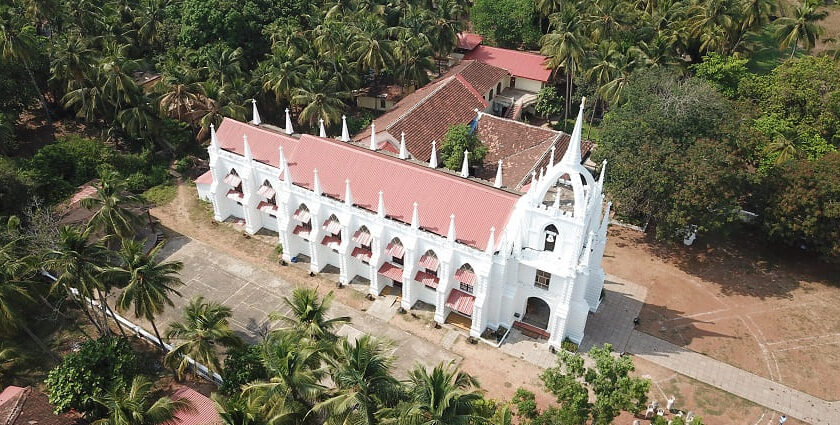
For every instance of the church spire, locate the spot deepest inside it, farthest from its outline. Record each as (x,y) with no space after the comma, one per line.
(214,141)
(451,234)
(316,182)
(284,166)
(380,208)
(322,132)
(491,241)
(415,217)
(248,156)
(573,155)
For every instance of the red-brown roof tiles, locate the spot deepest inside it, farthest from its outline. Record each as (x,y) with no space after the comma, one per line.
(520,146)
(427,114)
(202,413)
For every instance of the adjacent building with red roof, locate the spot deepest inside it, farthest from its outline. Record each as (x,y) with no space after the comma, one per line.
(483,251)
(528,69)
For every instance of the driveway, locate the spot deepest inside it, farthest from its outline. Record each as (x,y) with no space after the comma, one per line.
(253,293)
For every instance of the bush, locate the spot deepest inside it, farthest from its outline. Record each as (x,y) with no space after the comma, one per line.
(242,365)
(359,122)
(569,346)
(161,194)
(69,162)
(16,187)
(89,373)
(458,139)
(526,404)
(507,23)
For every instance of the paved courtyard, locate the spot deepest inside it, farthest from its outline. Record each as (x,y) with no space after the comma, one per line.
(254,293)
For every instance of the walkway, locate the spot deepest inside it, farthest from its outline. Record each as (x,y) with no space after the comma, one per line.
(613,323)
(762,391)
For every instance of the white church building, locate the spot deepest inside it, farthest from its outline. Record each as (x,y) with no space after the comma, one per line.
(472,248)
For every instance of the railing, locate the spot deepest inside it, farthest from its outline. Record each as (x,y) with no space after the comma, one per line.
(202,370)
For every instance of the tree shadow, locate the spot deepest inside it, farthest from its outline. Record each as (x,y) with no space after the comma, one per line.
(742,264)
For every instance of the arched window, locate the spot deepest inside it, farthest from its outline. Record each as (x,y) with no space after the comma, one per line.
(233,180)
(465,275)
(364,239)
(499,88)
(396,251)
(267,192)
(491,94)
(303,216)
(333,229)
(550,233)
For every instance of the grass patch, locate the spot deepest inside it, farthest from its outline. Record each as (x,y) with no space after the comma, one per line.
(161,194)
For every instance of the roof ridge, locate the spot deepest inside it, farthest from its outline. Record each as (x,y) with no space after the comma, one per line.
(478,183)
(423,100)
(523,123)
(260,128)
(510,50)
(471,88)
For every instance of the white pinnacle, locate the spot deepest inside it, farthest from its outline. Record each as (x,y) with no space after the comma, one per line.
(348,195)
(345,133)
(380,209)
(256,113)
(415,217)
(551,158)
(498,182)
(316,183)
(491,241)
(465,167)
(289,128)
(403,152)
(284,166)
(248,155)
(433,158)
(323,131)
(451,234)
(214,142)
(372,136)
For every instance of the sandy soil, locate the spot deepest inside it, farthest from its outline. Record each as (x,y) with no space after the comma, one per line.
(771,313)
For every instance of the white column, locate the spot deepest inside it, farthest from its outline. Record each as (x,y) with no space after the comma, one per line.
(409,294)
(444,274)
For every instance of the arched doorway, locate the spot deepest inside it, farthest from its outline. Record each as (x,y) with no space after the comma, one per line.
(537,313)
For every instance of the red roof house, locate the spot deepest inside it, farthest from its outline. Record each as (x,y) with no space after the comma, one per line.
(520,64)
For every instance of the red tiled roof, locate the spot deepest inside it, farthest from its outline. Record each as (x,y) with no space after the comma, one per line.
(468,40)
(461,302)
(429,262)
(465,276)
(391,271)
(26,406)
(427,114)
(395,250)
(202,413)
(206,178)
(476,206)
(520,64)
(9,393)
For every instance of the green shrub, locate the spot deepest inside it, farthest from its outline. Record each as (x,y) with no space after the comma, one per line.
(359,122)
(526,404)
(569,346)
(242,365)
(89,373)
(459,138)
(549,103)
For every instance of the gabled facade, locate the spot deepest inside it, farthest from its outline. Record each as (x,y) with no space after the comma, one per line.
(489,255)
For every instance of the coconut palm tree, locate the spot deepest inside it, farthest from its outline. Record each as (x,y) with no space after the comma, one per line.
(240,409)
(309,314)
(564,46)
(150,22)
(16,272)
(801,28)
(549,7)
(20,45)
(371,52)
(204,327)
(72,61)
(414,58)
(148,283)
(77,263)
(295,367)
(361,372)
(444,396)
(112,203)
(321,98)
(136,405)
(178,100)
(715,23)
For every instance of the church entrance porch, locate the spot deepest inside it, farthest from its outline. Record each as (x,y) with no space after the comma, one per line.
(537,313)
